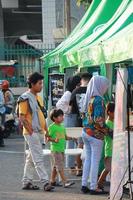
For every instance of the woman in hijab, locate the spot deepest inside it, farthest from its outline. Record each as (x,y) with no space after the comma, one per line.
(93,132)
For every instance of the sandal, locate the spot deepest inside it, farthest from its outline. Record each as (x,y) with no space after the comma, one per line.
(48,187)
(30,186)
(101,187)
(79,173)
(98,192)
(56,184)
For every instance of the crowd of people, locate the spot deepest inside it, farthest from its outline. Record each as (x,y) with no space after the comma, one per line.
(6,106)
(82,105)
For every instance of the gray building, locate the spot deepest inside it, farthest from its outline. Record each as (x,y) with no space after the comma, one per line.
(38,19)
(54,17)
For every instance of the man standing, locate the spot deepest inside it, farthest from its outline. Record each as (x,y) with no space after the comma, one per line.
(76,102)
(34,124)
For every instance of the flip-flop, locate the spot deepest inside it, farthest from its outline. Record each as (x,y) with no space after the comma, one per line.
(48,187)
(101,187)
(79,173)
(30,186)
(96,192)
(56,184)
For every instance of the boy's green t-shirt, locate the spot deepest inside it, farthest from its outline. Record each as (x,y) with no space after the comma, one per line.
(57,131)
(108,140)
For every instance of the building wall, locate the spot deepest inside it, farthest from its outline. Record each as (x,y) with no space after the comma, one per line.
(10,3)
(49,20)
(76,13)
(53,19)
(22,18)
(19,21)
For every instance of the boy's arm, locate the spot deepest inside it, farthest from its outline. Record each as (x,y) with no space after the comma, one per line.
(56,140)
(49,136)
(71,138)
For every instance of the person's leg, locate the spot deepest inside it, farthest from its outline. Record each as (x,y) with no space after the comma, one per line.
(2,118)
(96,150)
(54,170)
(102,179)
(59,163)
(28,170)
(70,121)
(78,158)
(53,175)
(66,183)
(70,160)
(62,175)
(105,172)
(101,164)
(35,149)
(87,160)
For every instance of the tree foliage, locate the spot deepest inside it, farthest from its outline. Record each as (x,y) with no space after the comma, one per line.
(85,3)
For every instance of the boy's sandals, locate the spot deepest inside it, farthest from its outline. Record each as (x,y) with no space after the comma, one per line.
(48,187)
(68,184)
(30,186)
(56,184)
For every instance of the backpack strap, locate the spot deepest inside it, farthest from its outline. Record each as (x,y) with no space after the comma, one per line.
(43,109)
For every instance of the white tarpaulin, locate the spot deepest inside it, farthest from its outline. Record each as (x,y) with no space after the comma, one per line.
(119,158)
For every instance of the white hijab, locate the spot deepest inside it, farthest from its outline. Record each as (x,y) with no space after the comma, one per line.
(97,86)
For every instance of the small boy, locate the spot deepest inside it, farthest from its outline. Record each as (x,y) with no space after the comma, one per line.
(58,137)
(108,141)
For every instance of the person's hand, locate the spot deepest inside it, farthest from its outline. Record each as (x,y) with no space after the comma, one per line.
(56,140)
(82,115)
(75,140)
(30,130)
(46,138)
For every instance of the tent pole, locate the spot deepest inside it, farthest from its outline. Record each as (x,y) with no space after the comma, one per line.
(46,80)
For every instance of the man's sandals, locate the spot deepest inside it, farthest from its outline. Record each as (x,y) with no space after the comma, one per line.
(48,187)
(30,186)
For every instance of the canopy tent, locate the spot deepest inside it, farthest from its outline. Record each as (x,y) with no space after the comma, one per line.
(104,35)
(104,10)
(81,24)
(77,28)
(120,46)
(90,51)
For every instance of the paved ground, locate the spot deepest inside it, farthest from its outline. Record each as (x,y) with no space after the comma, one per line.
(11,170)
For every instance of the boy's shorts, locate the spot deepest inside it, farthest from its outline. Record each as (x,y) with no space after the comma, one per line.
(58,160)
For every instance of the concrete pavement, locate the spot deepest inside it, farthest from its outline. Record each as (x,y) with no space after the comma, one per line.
(11,170)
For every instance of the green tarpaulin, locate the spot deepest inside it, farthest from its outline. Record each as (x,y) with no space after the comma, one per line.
(104,35)
(81,24)
(115,45)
